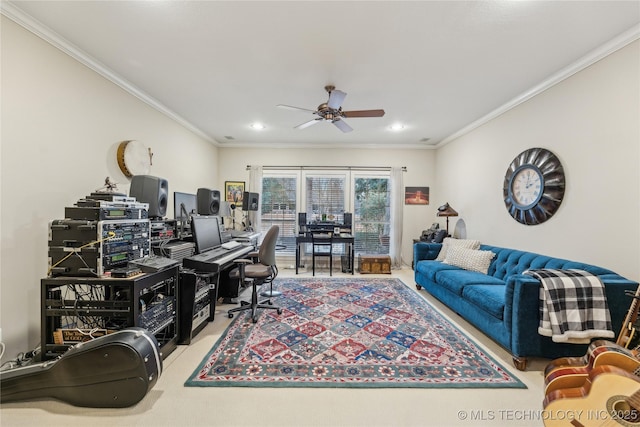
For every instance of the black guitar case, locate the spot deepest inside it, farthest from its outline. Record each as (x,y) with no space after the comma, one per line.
(111,371)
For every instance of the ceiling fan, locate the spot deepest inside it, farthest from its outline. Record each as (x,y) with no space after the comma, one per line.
(332,111)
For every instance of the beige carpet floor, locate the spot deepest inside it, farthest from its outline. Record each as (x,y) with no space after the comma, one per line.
(169,403)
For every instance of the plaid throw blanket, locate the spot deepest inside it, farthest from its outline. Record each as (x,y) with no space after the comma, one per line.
(573,306)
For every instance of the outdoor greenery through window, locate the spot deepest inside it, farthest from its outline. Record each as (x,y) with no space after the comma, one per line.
(373,215)
(325,197)
(279,201)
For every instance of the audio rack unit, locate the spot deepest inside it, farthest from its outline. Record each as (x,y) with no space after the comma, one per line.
(110,197)
(197,298)
(163,230)
(128,202)
(104,213)
(85,305)
(92,248)
(119,207)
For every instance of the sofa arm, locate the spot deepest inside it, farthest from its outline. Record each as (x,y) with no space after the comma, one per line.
(425,251)
(522,310)
(522,314)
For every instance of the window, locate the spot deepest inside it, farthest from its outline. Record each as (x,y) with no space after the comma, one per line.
(372,215)
(326,196)
(279,201)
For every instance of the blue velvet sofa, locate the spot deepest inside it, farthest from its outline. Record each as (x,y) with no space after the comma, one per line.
(504,303)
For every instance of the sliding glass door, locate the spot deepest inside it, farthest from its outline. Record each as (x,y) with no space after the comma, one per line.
(279,207)
(372,213)
(325,196)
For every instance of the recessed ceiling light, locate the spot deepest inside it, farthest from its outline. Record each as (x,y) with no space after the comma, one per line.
(396,127)
(257,126)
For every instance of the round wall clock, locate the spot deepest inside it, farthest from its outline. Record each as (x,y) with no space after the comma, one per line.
(134,158)
(534,186)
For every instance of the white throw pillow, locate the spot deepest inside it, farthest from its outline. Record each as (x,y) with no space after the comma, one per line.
(461,243)
(469,259)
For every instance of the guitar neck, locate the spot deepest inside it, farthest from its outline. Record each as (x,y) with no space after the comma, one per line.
(630,320)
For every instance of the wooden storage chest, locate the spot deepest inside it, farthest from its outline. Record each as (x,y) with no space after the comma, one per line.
(374,264)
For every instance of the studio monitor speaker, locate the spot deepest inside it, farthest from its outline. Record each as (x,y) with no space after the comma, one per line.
(152,190)
(302,219)
(208,201)
(250,201)
(348,219)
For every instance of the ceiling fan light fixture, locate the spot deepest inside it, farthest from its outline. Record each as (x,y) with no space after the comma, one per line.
(332,111)
(257,126)
(396,127)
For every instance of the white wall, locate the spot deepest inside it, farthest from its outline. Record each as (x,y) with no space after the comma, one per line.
(61,125)
(591,121)
(420,172)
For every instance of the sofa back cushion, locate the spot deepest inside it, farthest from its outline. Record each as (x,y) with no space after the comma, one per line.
(509,262)
(469,259)
(463,243)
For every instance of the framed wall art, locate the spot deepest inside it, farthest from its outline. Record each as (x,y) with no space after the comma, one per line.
(416,195)
(233,191)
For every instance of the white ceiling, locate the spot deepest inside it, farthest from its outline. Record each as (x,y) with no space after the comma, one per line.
(438,67)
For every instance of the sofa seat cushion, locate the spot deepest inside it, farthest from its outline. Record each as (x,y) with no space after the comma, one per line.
(456,280)
(429,269)
(489,298)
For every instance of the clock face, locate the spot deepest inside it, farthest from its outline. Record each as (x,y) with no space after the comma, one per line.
(533,186)
(526,186)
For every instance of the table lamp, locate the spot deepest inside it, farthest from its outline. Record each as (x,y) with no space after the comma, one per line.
(447,211)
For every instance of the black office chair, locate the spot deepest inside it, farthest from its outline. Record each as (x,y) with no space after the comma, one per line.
(322,243)
(263,270)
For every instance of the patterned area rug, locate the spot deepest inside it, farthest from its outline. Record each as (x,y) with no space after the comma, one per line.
(348,333)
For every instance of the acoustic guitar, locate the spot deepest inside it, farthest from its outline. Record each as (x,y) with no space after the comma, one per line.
(609,397)
(112,371)
(590,358)
(567,373)
(629,337)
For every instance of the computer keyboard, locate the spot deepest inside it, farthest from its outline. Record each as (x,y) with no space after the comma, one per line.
(232,244)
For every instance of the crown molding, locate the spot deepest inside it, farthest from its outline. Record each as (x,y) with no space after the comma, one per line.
(331,145)
(36,27)
(17,15)
(591,58)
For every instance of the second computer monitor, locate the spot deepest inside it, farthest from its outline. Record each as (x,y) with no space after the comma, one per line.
(184,205)
(206,233)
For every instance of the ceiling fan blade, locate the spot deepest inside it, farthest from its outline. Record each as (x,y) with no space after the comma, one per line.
(363,113)
(335,99)
(307,124)
(342,125)
(289,107)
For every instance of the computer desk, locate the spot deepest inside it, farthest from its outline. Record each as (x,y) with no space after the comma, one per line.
(341,239)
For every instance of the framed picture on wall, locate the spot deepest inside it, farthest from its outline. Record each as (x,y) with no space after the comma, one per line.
(416,195)
(233,191)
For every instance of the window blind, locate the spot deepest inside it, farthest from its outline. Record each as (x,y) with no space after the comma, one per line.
(324,198)
(279,203)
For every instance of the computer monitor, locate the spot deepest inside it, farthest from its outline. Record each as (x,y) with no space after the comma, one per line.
(206,233)
(184,205)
